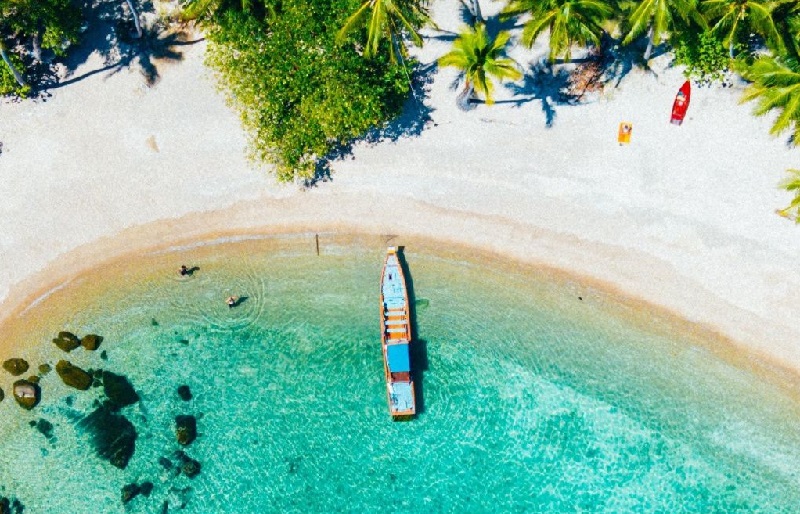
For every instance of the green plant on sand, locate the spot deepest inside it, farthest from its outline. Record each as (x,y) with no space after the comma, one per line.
(299,94)
(776,86)
(568,22)
(703,55)
(480,59)
(792,184)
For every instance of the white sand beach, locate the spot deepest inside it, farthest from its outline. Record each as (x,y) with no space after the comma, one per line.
(682,218)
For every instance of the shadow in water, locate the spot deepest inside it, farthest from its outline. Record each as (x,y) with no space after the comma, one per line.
(419,346)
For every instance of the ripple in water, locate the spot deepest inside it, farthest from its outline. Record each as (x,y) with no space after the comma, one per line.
(531,400)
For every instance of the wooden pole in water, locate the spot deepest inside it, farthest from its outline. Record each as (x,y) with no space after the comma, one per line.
(316,239)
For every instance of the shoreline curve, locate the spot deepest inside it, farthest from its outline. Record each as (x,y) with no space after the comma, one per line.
(505,243)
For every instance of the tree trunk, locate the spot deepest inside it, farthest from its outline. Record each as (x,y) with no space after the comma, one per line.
(135,19)
(463,100)
(17,75)
(36,44)
(730,49)
(476,11)
(649,49)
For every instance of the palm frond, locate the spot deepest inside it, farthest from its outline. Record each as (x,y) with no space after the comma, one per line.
(353,22)
(639,20)
(479,58)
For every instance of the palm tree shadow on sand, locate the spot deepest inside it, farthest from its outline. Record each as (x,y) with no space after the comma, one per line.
(555,85)
(548,84)
(110,34)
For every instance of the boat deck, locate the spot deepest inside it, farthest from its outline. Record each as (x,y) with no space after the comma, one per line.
(401,396)
(396,338)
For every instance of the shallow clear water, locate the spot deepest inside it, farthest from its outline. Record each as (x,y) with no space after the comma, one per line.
(532,400)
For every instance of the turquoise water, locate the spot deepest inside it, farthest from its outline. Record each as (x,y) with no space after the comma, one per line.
(533,400)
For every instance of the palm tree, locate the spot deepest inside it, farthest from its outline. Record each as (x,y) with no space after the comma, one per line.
(136,22)
(390,19)
(14,71)
(480,58)
(741,17)
(569,21)
(792,184)
(658,18)
(786,16)
(474,8)
(776,85)
(50,24)
(10,24)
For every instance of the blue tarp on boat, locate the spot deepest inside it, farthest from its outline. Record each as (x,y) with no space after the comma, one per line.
(398,358)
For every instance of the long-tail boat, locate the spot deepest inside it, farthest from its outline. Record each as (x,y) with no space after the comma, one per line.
(396,338)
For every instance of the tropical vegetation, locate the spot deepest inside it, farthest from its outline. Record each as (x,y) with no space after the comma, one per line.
(480,58)
(301,95)
(735,20)
(389,19)
(792,185)
(569,22)
(26,28)
(775,84)
(703,55)
(659,18)
(309,76)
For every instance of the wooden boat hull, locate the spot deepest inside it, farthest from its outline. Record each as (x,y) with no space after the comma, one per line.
(681,104)
(396,338)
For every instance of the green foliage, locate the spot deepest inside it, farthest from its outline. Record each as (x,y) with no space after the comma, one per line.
(786,16)
(9,86)
(57,22)
(703,54)
(776,86)
(299,94)
(205,10)
(792,185)
(735,20)
(480,58)
(387,19)
(568,22)
(659,16)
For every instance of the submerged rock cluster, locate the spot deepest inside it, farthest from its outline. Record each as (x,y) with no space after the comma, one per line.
(118,389)
(73,376)
(132,490)
(68,341)
(11,506)
(26,393)
(111,434)
(185,429)
(16,366)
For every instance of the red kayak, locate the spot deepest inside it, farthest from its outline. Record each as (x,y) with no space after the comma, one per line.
(681,103)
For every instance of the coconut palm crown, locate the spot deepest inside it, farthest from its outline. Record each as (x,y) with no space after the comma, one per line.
(776,85)
(480,58)
(792,184)
(390,19)
(658,18)
(738,18)
(569,22)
